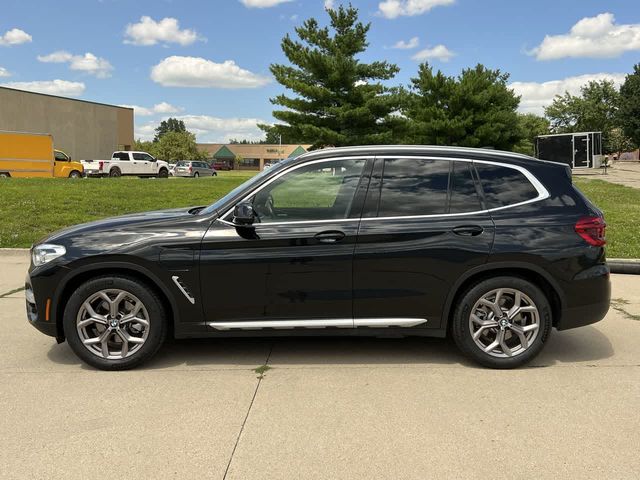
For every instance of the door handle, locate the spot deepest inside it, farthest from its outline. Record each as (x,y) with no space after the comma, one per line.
(331,236)
(468,230)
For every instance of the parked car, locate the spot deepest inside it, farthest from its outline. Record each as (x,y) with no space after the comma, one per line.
(172,168)
(194,169)
(491,248)
(223,166)
(33,155)
(140,164)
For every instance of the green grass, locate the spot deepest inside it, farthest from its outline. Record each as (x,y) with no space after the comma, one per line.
(621,207)
(32,208)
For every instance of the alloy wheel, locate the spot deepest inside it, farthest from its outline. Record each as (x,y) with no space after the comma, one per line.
(113,324)
(504,322)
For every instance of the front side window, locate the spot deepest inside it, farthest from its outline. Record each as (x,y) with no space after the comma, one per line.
(61,157)
(413,186)
(504,186)
(144,157)
(319,191)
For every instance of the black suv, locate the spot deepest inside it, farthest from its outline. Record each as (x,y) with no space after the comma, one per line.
(492,248)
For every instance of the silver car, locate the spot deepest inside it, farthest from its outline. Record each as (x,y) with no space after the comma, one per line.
(194,169)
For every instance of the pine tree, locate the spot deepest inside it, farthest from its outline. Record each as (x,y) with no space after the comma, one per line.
(338,99)
(475,109)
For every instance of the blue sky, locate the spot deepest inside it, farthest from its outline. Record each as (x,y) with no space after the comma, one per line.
(208,61)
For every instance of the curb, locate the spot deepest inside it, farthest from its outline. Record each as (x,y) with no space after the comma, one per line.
(14,252)
(624,265)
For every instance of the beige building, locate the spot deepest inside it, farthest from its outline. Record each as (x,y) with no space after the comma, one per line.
(250,156)
(84,130)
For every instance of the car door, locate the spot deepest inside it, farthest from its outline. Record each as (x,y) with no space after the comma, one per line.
(423,226)
(142,163)
(293,266)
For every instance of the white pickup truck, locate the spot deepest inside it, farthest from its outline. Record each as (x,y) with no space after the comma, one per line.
(140,164)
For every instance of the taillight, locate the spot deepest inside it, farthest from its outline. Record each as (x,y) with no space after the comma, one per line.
(100,165)
(190,169)
(592,230)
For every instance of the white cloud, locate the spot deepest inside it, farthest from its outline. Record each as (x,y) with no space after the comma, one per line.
(87,63)
(63,88)
(408,45)
(591,37)
(158,108)
(149,32)
(15,36)
(409,8)
(4,72)
(536,96)
(176,71)
(439,52)
(329,4)
(210,129)
(262,3)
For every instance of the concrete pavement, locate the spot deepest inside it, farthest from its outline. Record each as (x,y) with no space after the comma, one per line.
(328,408)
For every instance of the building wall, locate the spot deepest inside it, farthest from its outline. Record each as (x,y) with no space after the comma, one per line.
(84,130)
(262,152)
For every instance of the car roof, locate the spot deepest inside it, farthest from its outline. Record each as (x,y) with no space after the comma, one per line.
(432,150)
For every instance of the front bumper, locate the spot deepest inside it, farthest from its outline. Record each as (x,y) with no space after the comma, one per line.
(38,311)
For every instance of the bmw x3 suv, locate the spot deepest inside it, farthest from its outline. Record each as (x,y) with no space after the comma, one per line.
(494,249)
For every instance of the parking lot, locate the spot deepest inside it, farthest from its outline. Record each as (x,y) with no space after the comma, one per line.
(327,408)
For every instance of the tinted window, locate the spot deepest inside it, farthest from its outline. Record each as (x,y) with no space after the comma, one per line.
(321,191)
(142,156)
(504,186)
(61,156)
(121,156)
(464,197)
(414,186)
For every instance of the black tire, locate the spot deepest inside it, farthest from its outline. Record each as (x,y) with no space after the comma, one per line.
(196,175)
(5,175)
(157,318)
(163,173)
(115,172)
(75,174)
(215,174)
(461,330)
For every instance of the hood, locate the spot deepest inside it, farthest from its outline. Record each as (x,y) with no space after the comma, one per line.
(121,232)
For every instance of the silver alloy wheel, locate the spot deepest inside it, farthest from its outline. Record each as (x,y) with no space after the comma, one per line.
(504,322)
(113,324)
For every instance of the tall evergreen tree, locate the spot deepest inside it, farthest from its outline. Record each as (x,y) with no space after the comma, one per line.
(338,99)
(629,112)
(475,109)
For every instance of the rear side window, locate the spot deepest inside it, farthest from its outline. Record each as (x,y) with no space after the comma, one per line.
(504,186)
(413,186)
(464,196)
(121,156)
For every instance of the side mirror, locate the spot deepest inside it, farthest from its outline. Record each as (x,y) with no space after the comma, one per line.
(243,214)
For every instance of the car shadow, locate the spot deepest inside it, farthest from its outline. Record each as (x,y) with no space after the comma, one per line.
(584,345)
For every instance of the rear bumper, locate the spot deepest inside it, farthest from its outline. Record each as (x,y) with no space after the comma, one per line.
(587,300)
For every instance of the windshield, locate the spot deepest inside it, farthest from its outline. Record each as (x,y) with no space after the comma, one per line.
(243,186)
(181,164)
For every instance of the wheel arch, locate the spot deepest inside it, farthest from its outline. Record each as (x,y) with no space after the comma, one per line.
(83,274)
(532,273)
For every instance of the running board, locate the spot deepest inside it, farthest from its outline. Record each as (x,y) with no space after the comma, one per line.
(325,323)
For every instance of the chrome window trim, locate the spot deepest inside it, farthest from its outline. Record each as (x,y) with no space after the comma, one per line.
(543,193)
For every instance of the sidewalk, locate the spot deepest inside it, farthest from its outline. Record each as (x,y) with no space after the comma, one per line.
(623,173)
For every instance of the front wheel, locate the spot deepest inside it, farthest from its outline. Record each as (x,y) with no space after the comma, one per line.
(75,174)
(114,322)
(163,173)
(502,322)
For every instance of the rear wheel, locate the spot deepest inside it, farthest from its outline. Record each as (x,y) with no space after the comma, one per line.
(502,322)
(196,175)
(115,172)
(114,322)
(4,175)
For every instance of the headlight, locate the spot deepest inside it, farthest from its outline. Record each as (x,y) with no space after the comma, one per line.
(46,252)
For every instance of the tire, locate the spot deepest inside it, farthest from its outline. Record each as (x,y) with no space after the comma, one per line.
(125,293)
(215,174)
(4,175)
(196,175)
(75,174)
(115,172)
(163,173)
(518,328)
